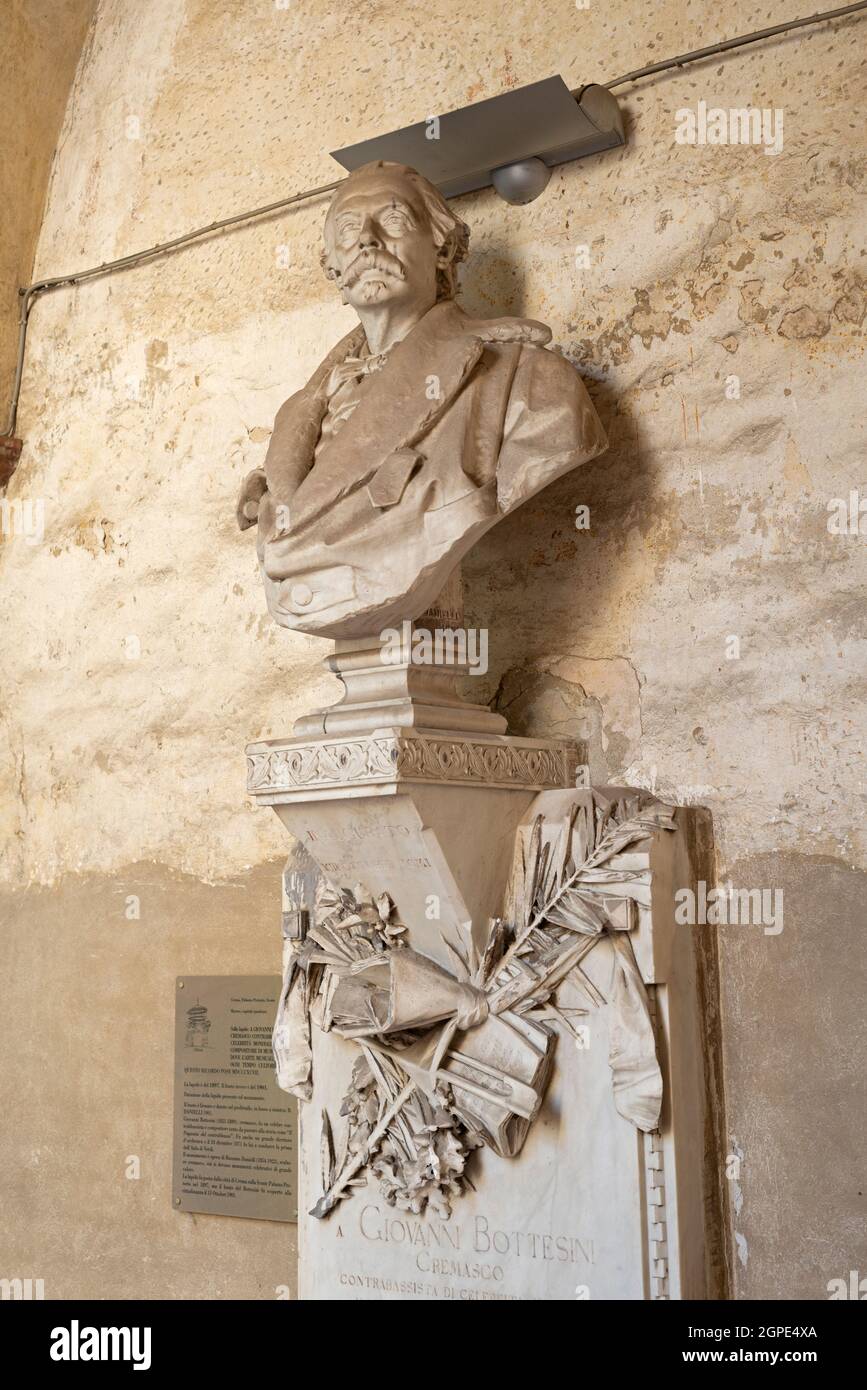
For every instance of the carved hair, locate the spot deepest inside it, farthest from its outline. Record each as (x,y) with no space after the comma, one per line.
(451,235)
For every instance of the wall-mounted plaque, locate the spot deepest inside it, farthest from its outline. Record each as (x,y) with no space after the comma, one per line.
(235,1130)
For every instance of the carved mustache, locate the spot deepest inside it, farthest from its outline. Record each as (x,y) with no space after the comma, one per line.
(372,260)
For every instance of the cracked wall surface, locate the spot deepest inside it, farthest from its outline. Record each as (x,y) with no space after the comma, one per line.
(704,632)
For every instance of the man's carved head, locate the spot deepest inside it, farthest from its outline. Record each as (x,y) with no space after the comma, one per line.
(390,236)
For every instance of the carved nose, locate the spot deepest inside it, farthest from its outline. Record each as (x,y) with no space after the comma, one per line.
(367,237)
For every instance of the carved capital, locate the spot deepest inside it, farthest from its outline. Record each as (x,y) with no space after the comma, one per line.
(288,766)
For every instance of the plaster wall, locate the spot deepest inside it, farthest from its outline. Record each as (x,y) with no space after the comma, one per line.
(41,42)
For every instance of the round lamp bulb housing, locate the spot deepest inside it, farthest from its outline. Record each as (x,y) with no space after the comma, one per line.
(521,182)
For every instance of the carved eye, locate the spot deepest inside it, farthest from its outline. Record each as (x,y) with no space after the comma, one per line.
(395,220)
(347,232)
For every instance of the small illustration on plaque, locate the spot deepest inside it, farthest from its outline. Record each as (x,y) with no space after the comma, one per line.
(198,1025)
(234,1129)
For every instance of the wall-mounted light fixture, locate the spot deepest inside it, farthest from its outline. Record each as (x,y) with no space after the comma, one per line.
(511,141)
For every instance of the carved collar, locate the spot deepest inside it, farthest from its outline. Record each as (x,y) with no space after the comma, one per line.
(421,376)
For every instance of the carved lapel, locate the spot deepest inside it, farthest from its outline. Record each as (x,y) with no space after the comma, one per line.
(422,376)
(296,428)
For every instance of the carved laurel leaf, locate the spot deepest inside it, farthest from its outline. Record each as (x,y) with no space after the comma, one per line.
(576,912)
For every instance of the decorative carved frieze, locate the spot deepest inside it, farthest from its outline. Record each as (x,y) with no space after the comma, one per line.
(401,756)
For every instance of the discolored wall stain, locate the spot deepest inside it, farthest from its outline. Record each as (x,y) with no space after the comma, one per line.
(89,1022)
(41,41)
(793,1010)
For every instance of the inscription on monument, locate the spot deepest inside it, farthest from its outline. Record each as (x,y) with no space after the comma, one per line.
(464,1261)
(370,844)
(234,1129)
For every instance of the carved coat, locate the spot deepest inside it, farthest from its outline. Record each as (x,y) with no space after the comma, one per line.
(467,419)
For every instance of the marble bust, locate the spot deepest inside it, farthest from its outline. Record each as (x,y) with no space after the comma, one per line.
(416,434)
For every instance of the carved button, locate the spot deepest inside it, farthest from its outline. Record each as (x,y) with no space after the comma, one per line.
(301,594)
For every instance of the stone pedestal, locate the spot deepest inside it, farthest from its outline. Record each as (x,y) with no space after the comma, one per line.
(406,677)
(385,687)
(591,1207)
(428,818)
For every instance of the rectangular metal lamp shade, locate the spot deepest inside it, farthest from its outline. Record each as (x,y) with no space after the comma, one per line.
(543,120)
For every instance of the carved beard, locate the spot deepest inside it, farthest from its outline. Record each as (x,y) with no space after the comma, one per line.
(373,290)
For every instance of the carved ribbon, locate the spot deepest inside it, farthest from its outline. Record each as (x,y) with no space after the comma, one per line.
(491,1050)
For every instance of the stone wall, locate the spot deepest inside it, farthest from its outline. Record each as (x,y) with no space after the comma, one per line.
(41,41)
(703,632)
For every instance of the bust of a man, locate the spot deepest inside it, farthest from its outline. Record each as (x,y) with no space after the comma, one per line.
(418,432)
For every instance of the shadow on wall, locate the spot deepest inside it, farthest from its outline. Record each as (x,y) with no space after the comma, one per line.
(543,583)
(541,560)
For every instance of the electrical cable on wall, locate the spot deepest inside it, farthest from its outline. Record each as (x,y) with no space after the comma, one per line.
(29,294)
